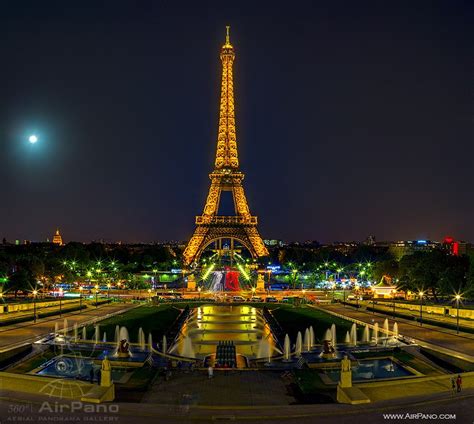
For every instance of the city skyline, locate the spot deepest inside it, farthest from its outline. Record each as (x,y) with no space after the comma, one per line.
(376,136)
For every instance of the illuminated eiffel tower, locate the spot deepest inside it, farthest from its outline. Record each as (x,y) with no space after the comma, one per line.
(211,227)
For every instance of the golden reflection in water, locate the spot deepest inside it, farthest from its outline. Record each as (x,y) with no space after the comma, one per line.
(243,325)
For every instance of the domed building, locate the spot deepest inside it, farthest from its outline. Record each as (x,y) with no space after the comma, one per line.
(57,239)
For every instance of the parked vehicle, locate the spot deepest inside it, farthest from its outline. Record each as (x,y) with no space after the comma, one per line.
(256,299)
(271,299)
(238,299)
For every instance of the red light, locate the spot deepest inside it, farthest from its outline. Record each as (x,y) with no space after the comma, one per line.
(448,240)
(456,249)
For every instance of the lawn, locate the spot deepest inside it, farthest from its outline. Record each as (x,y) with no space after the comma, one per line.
(152,319)
(294,319)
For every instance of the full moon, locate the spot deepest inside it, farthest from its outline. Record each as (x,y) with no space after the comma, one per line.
(33,139)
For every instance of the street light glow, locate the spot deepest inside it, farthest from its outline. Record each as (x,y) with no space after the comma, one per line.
(32,139)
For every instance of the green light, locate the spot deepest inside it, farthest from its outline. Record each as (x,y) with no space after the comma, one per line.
(241,269)
(208,271)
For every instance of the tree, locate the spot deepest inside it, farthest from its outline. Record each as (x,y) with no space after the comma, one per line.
(20,280)
(388,267)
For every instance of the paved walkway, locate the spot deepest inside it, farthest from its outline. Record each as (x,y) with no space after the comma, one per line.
(23,333)
(414,314)
(226,388)
(25,407)
(462,344)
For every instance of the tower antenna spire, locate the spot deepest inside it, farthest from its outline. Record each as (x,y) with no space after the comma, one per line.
(227,37)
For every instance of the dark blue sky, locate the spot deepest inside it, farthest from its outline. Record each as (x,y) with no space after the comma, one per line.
(354,118)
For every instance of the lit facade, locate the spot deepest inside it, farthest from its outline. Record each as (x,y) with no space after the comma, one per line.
(241,227)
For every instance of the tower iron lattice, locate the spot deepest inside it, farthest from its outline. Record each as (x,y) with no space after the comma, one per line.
(211,227)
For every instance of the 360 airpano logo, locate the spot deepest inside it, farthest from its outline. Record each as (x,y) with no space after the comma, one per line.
(63,389)
(78,406)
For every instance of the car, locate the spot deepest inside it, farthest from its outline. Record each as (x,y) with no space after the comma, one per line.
(285,300)
(271,299)
(255,299)
(238,299)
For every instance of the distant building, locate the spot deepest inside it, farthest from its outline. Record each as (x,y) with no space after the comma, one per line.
(370,241)
(273,243)
(455,247)
(401,248)
(57,239)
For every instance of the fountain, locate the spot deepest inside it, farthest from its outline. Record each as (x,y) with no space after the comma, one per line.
(141,339)
(264,349)
(76,332)
(97,334)
(123,334)
(84,333)
(165,345)
(187,349)
(328,351)
(376,333)
(298,345)
(385,327)
(347,340)
(117,334)
(56,329)
(366,337)
(286,348)
(328,335)
(311,336)
(123,347)
(333,334)
(150,342)
(307,341)
(104,338)
(354,335)
(395,330)
(65,326)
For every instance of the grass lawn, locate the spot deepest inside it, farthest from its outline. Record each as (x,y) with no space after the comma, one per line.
(311,387)
(153,319)
(34,362)
(294,319)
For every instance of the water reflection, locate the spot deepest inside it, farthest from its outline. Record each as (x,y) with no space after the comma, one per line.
(243,325)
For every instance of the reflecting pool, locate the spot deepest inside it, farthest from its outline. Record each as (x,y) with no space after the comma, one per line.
(371,369)
(242,325)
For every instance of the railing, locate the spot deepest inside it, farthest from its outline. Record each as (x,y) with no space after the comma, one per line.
(232,220)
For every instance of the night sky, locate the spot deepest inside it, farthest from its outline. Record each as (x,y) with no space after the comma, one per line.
(353,118)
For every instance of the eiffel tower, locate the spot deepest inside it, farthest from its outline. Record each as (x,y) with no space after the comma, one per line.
(211,227)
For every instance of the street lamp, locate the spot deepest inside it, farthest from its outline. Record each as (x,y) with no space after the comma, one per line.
(373,301)
(421,307)
(199,291)
(393,299)
(149,295)
(35,292)
(96,295)
(80,299)
(60,302)
(108,290)
(304,295)
(458,298)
